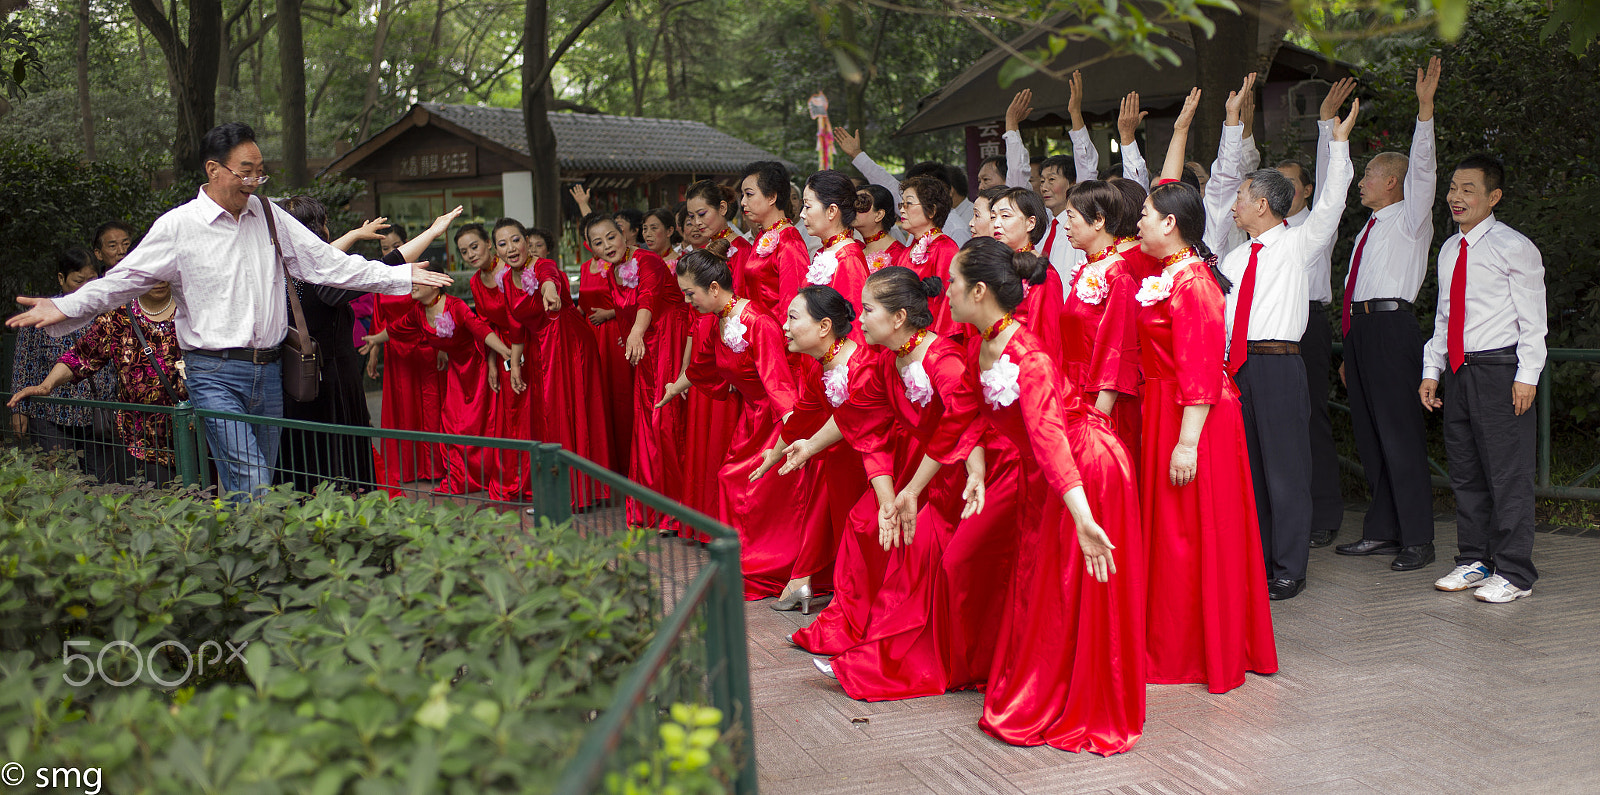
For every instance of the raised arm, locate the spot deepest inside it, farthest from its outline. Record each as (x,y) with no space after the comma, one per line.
(1328,206)
(412,249)
(1017,166)
(1422,171)
(1085,157)
(368,230)
(1178,147)
(1128,119)
(1227,171)
(850,144)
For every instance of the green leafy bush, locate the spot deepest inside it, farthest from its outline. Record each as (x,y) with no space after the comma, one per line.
(385,646)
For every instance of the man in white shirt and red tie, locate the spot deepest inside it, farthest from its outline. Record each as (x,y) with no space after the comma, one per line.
(1488,347)
(1383,350)
(1266,317)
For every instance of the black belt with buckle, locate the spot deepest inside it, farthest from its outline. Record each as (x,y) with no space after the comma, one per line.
(251,355)
(1506,355)
(1273,347)
(1379,305)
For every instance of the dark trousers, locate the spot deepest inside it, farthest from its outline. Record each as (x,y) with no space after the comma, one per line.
(1277,413)
(1383,368)
(1491,452)
(1316,351)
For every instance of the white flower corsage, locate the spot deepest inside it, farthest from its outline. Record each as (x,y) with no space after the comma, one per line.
(768,242)
(836,383)
(1000,383)
(733,334)
(919,251)
(628,274)
(445,325)
(1153,289)
(823,266)
(1093,287)
(528,281)
(919,389)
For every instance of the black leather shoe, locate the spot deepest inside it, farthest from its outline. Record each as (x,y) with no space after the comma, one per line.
(1413,558)
(1367,546)
(1322,538)
(1278,590)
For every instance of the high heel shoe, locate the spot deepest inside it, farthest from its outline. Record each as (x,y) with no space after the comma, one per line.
(825,668)
(791,602)
(805,599)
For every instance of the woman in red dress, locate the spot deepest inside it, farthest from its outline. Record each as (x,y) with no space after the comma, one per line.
(568,375)
(709,206)
(444,323)
(512,405)
(1209,621)
(413,376)
(873,227)
(1100,322)
(983,211)
(616,375)
(924,207)
(1068,669)
(1020,221)
(774,270)
(655,321)
(828,206)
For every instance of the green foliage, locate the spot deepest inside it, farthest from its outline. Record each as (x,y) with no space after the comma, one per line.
(391,646)
(19,55)
(692,749)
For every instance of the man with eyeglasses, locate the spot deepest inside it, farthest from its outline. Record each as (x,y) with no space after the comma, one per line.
(232,311)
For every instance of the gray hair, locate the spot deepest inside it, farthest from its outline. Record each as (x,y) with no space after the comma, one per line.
(1272,185)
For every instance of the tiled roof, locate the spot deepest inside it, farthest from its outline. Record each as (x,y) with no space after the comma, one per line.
(595,142)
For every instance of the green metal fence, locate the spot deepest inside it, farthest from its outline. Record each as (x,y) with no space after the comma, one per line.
(697,655)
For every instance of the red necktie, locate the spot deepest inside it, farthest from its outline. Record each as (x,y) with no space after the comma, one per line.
(1051,238)
(1350,283)
(1240,342)
(1457,334)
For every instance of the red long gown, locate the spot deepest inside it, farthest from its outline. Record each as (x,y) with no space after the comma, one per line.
(511,415)
(656,459)
(773,270)
(708,421)
(1069,668)
(467,401)
(616,375)
(848,276)
(569,373)
(934,260)
(413,388)
(1041,309)
(1209,619)
(1099,332)
(769,513)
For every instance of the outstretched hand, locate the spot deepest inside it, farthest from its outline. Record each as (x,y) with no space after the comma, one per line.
(1021,107)
(41,312)
(1336,97)
(1129,116)
(673,390)
(849,143)
(24,393)
(1427,86)
(421,275)
(1236,99)
(371,230)
(580,194)
(1186,115)
(769,459)
(442,223)
(1075,99)
(1342,128)
(796,455)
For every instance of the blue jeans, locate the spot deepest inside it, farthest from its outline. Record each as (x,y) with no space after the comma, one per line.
(245,453)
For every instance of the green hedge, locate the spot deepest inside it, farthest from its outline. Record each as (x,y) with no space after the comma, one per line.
(391,646)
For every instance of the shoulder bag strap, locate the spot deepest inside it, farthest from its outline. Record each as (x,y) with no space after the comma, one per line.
(288,281)
(150,354)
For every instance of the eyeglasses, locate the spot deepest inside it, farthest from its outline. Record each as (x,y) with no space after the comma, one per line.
(905,204)
(261,180)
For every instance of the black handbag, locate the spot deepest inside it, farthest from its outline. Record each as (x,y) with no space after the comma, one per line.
(300,355)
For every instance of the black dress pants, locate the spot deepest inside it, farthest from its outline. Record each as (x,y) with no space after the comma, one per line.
(1316,351)
(1383,369)
(1277,413)
(1491,452)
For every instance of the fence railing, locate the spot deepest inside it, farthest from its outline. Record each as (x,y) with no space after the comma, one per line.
(697,654)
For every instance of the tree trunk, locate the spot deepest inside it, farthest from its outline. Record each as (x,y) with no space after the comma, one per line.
(631,44)
(535,108)
(292,93)
(192,67)
(385,20)
(1221,62)
(85,109)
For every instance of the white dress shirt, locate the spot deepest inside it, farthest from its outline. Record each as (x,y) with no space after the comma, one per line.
(225,278)
(1063,257)
(1019,167)
(1321,274)
(958,227)
(1395,258)
(1505,299)
(1227,172)
(1134,167)
(1278,308)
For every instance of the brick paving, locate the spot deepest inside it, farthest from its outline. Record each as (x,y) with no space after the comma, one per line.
(1386,685)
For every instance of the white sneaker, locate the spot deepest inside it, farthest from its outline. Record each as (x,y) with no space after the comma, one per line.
(1499,590)
(1461,578)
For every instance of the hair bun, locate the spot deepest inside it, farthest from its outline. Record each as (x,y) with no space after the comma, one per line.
(863,202)
(719,247)
(933,287)
(1030,267)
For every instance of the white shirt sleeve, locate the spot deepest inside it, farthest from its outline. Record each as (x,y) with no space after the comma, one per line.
(1223,187)
(1422,177)
(1527,297)
(151,262)
(1328,206)
(1018,169)
(1324,135)
(1084,155)
(876,174)
(309,259)
(1134,167)
(1250,155)
(1433,351)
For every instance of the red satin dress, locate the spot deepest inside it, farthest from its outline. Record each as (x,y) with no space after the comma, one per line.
(708,421)
(568,378)
(642,281)
(1209,619)
(774,270)
(854,398)
(769,513)
(511,415)
(467,401)
(413,388)
(848,276)
(1040,311)
(616,375)
(885,258)
(1068,671)
(934,260)
(1099,332)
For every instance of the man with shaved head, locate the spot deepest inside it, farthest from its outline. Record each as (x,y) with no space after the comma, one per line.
(1383,343)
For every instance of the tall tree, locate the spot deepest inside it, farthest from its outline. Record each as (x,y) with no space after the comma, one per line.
(386,15)
(538,99)
(192,69)
(85,108)
(292,93)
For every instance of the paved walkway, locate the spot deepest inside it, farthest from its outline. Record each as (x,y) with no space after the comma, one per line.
(1386,685)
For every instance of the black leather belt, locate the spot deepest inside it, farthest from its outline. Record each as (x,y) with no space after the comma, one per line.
(1274,347)
(251,355)
(1507,355)
(1319,306)
(1379,305)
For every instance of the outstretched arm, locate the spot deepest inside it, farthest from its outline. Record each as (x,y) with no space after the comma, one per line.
(1017,170)
(413,248)
(1178,147)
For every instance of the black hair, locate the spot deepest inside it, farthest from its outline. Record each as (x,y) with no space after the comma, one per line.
(988,261)
(544,234)
(883,200)
(1182,201)
(512,222)
(834,188)
(1308,175)
(635,221)
(399,230)
(1063,164)
(929,168)
(706,268)
(958,180)
(898,287)
(1133,195)
(998,161)
(1272,185)
(714,195)
(668,222)
(1094,198)
(595,219)
(934,195)
(309,212)
(1191,175)
(772,179)
(221,140)
(73,260)
(1494,172)
(990,194)
(1030,205)
(825,303)
(467,229)
(101,230)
